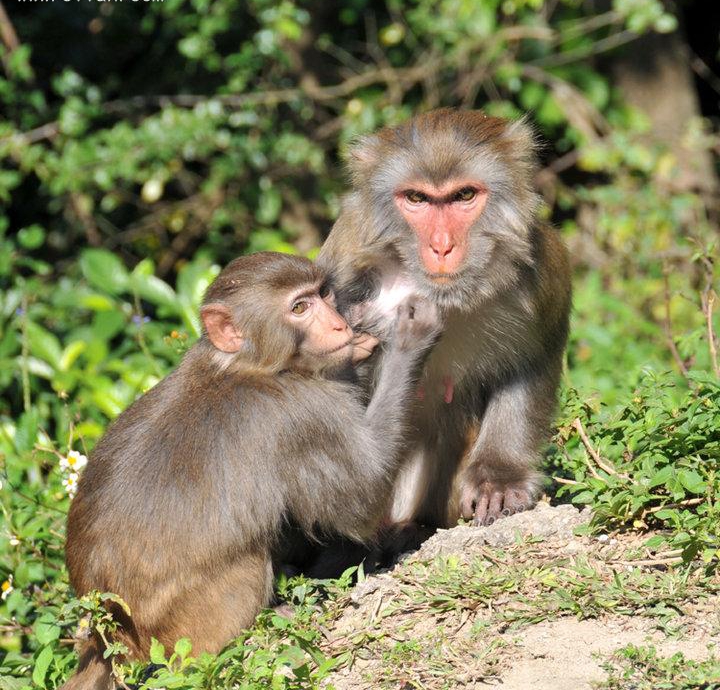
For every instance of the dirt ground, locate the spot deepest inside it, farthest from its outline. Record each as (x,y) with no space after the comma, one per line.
(402,633)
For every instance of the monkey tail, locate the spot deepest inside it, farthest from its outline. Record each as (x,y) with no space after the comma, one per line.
(94,672)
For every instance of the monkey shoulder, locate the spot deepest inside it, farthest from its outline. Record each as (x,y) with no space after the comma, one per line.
(345,252)
(554,291)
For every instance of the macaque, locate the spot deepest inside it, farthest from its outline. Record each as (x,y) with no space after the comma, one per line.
(187,494)
(443,206)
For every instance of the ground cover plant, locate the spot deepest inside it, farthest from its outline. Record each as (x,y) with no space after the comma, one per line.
(124,189)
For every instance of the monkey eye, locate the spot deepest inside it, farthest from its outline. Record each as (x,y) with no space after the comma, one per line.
(465,194)
(300,307)
(415,197)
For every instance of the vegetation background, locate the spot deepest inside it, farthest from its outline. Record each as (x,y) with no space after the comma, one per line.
(144,144)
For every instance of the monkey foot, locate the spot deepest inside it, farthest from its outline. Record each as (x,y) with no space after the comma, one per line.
(486,503)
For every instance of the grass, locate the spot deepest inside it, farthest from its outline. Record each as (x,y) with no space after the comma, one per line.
(643,668)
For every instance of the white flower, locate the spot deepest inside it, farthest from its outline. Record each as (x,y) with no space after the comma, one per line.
(74,461)
(6,587)
(14,541)
(71,483)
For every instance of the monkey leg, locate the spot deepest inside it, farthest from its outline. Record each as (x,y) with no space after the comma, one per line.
(424,487)
(501,477)
(210,610)
(93,672)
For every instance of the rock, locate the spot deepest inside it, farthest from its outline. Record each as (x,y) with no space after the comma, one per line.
(544,521)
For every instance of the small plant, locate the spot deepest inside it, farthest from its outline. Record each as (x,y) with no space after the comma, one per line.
(643,668)
(652,463)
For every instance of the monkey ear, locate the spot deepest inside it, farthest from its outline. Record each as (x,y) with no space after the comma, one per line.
(522,137)
(362,156)
(220,328)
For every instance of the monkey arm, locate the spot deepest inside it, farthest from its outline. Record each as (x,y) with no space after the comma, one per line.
(336,467)
(502,477)
(346,458)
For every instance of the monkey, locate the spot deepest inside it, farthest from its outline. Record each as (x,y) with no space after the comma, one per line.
(443,206)
(184,498)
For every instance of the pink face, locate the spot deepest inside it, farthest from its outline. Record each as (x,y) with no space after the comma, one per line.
(441,218)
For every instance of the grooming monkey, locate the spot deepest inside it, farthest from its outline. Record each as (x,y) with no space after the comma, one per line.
(187,494)
(443,206)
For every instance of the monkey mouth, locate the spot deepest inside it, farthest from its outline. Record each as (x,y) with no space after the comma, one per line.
(442,278)
(332,350)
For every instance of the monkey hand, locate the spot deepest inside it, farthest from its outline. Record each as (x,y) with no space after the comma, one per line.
(418,325)
(485,500)
(363,346)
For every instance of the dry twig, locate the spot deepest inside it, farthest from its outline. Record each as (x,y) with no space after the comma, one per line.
(8,36)
(707,299)
(667,328)
(602,464)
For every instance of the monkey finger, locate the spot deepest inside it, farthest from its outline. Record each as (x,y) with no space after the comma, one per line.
(481,508)
(516,500)
(467,500)
(494,508)
(363,346)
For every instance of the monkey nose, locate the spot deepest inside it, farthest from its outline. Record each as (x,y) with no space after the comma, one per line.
(442,252)
(441,244)
(341,326)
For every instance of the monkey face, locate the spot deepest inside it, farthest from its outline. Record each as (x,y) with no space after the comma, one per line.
(453,191)
(324,337)
(441,217)
(269,312)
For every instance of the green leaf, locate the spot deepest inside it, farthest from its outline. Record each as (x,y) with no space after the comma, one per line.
(183,647)
(157,652)
(583,497)
(692,481)
(194,279)
(661,478)
(116,599)
(42,664)
(97,302)
(46,629)
(656,541)
(27,430)
(107,324)
(44,344)
(154,290)
(31,237)
(12,683)
(190,319)
(71,352)
(146,267)
(104,270)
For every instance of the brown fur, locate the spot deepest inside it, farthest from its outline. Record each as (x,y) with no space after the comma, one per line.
(506,312)
(187,494)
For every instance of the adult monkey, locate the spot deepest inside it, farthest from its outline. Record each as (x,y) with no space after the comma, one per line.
(444,206)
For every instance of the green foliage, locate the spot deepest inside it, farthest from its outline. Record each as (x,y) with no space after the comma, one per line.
(278,653)
(159,140)
(645,669)
(652,462)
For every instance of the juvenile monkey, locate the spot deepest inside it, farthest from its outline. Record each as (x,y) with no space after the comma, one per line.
(443,206)
(186,495)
